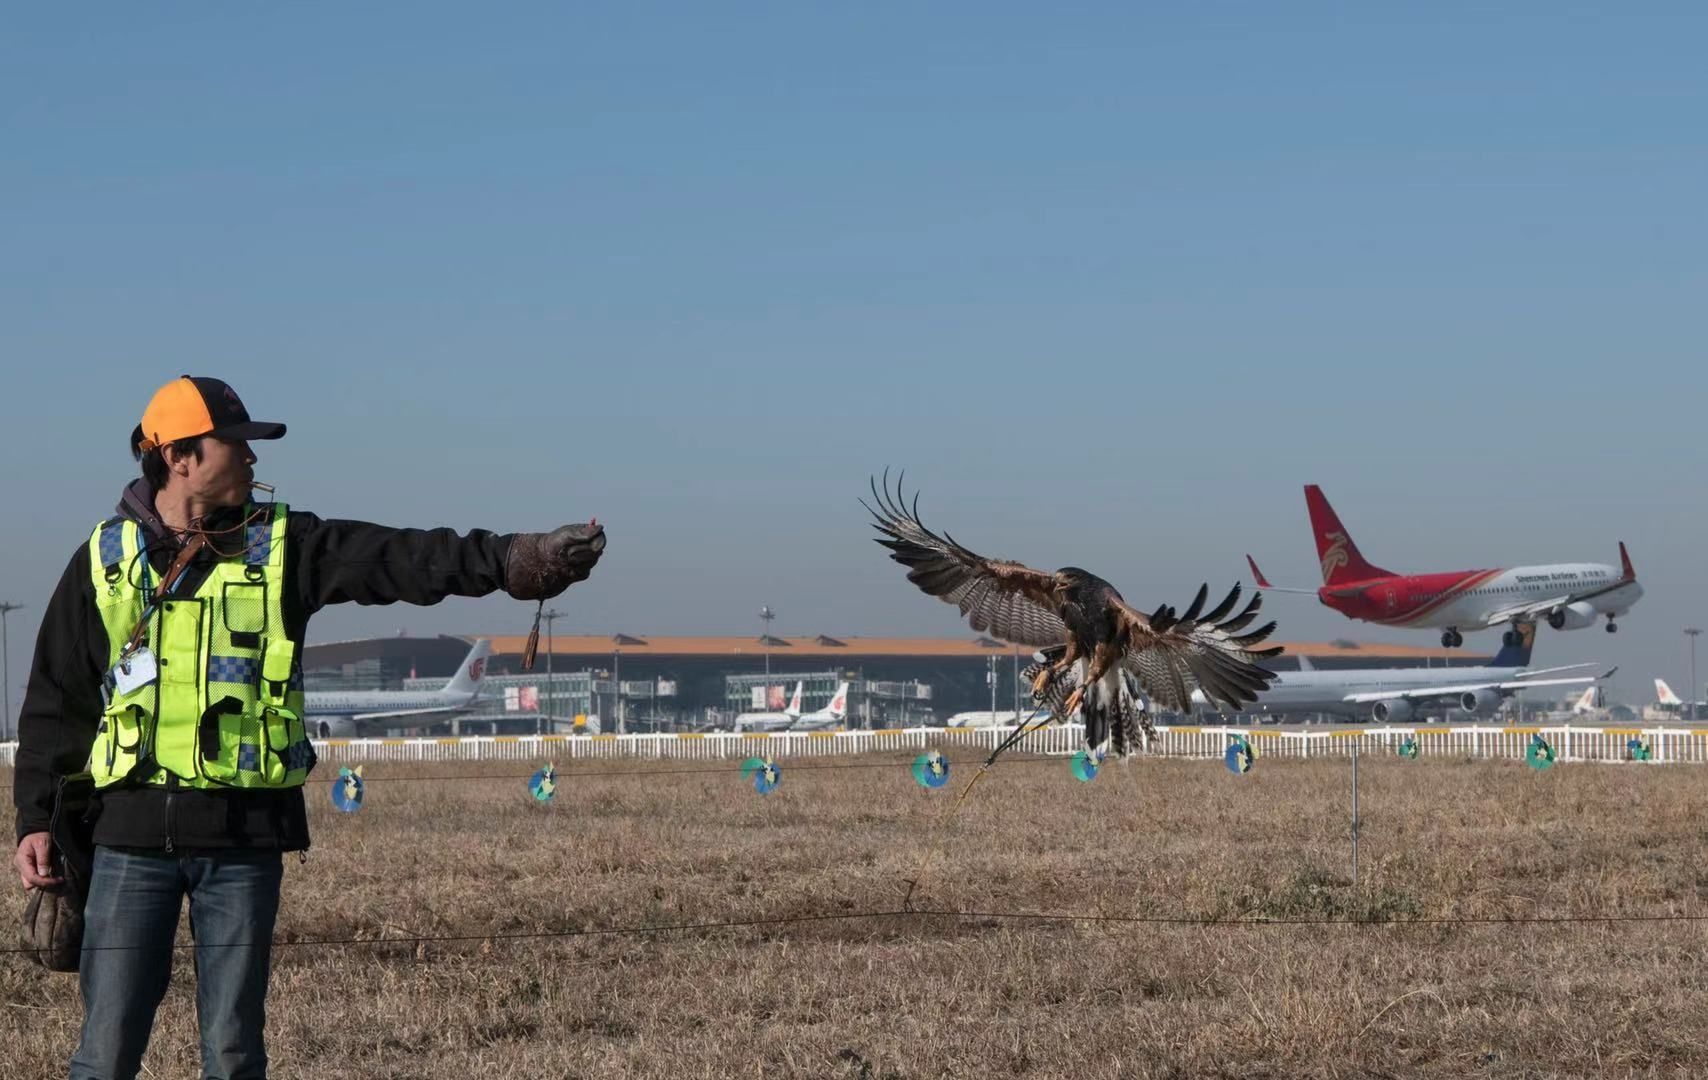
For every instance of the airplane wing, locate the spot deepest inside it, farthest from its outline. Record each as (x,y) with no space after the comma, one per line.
(815,723)
(1263,582)
(1427,693)
(398,713)
(1549,671)
(1537,609)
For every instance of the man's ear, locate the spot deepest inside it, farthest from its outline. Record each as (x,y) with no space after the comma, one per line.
(177,463)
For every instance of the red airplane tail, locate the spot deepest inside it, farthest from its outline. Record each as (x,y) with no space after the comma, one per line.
(1341,560)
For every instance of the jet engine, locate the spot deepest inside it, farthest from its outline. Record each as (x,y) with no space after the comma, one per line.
(1480,702)
(1573,616)
(1393,711)
(332,727)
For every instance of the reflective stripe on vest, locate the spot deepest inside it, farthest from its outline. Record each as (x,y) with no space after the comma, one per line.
(225,709)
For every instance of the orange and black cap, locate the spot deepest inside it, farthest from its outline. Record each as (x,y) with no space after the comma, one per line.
(192,405)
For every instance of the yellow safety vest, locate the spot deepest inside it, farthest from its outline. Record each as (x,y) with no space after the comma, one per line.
(225,709)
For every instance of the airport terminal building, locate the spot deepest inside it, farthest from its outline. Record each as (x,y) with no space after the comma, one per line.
(646,683)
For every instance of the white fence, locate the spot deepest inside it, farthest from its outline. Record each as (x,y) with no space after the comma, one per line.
(1665,745)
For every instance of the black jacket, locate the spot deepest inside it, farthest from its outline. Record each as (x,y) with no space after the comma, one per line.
(326,562)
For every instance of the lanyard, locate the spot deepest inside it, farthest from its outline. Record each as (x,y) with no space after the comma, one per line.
(173,577)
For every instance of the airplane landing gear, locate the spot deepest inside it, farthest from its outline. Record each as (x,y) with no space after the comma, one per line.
(1451,639)
(1612,627)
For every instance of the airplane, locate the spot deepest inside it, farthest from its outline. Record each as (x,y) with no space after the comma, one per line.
(346,713)
(1400,695)
(1588,703)
(772,721)
(1568,596)
(831,716)
(1673,704)
(1587,708)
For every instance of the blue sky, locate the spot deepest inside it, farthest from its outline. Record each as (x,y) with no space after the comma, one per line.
(1113,284)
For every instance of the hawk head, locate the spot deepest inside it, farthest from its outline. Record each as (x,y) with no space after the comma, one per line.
(1072,577)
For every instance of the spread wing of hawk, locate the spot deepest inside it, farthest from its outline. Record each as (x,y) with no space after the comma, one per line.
(1171,653)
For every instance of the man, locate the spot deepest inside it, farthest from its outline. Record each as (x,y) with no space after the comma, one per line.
(169,667)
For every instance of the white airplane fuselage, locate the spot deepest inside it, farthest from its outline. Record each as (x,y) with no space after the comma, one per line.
(343,713)
(771,721)
(360,702)
(1302,693)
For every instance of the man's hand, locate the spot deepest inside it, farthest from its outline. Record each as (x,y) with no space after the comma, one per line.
(541,565)
(35,862)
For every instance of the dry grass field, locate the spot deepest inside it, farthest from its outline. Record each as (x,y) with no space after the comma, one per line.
(930,996)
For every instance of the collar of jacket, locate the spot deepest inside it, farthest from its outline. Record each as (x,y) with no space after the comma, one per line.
(137,504)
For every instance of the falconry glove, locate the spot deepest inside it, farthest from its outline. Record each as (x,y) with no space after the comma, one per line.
(53,928)
(542,565)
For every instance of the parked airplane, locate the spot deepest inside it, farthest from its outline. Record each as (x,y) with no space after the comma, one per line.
(1588,703)
(772,721)
(1568,596)
(344,713)
(1401,695)
(833,715)
(1588,707)
(1667,701)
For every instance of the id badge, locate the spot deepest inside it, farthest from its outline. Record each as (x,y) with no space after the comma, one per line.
(135,671)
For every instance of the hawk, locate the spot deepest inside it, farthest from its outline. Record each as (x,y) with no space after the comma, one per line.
(1083,625)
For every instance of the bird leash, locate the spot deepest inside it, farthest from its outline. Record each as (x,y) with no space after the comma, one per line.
(533,646)
(936,845)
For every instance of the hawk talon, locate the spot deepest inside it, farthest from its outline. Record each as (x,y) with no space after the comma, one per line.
(1073,701)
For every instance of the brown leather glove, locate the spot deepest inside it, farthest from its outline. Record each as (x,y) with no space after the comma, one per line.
(53,928)
(541,565)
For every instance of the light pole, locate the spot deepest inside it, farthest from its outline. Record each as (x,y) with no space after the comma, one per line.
(551,687)
(617,686)
(865,697)
(1692,633)
(765,617)
(6,724)
(1016,684)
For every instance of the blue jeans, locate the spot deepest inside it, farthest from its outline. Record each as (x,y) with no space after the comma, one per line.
(129,923)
